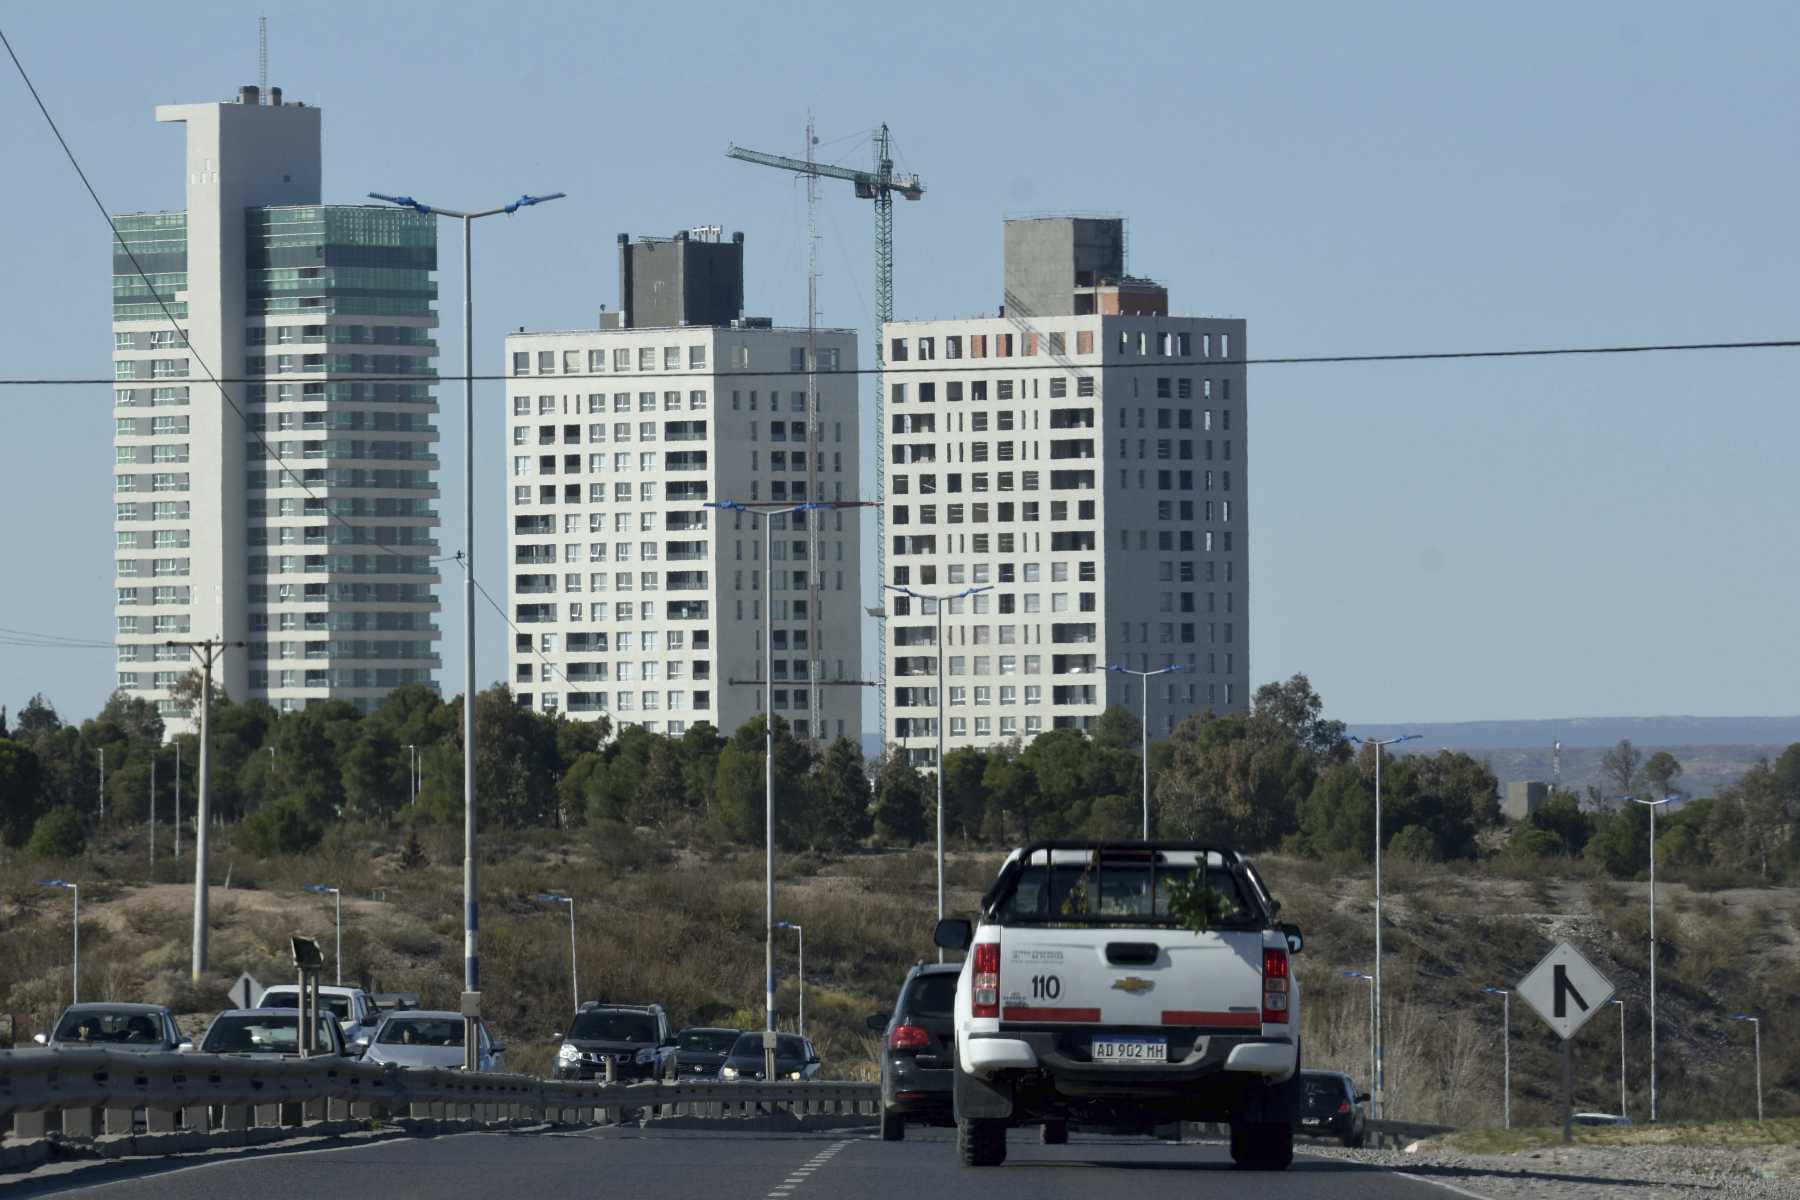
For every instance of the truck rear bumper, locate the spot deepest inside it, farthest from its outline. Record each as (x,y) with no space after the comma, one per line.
(1062,1056)
(987,1055)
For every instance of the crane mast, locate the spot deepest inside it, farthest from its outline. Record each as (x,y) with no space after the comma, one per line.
(878,185)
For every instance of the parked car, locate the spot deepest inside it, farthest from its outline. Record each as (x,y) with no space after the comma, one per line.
(634,1038)
(427,1038)
(144,1028)
(1126,984)
(795,1058)
(918,1046)
(353,1008)
(267,1033)
(700,1051)
(1331,1107)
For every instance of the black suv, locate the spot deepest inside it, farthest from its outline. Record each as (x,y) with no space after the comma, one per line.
(701,1050)
(918,1044)
(1330,1107)
(634,1038)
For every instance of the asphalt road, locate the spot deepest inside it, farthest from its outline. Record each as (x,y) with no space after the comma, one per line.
(657,1165)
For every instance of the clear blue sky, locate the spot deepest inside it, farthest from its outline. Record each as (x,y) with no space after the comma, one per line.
(1450,541)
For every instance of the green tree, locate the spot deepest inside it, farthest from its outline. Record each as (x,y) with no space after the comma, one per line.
(900,801)
(1296,709)
(1415,843)
(1661,771)
(1013,796)
(1235,780)
(965,793)
(1621,841)
(1529,843)
(1338,814)
(57,834)
(376,778)
(310,748)
(840,789)
(1619,767)
(1118,729)
(1560,816)
(21,788)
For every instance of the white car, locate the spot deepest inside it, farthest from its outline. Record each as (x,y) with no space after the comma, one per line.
(1087,995)
(352,1008)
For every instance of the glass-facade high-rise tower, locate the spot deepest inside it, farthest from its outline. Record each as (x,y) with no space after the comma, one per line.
(273,447)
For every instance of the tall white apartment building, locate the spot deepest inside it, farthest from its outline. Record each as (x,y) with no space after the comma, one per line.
(324,569)
(1082,457)
(633,598)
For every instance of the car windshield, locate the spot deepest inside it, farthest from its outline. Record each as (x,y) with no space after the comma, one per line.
(337,1006)
(1116,890)
(787,1046)
(421,1031)
(110,1028)
(708,1041)
(931,996)
(1319,1096)
(605,1026)
(261,1035)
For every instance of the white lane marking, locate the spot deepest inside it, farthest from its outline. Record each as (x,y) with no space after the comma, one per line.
(785,1189)
(243,1154)
(1450,1187)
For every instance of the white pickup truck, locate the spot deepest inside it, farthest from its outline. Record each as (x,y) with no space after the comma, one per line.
(1123,986)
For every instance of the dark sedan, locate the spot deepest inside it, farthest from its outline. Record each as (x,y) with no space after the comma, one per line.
(701,1051)
(795,1058)
(917,1051)
(1330,1107)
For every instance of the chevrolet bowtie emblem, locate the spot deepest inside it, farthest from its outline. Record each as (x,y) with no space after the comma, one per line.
(1132,984)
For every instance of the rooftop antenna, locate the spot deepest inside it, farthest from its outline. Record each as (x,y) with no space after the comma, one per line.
(262,56)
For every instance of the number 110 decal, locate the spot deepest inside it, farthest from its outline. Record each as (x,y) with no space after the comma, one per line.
(1046,987)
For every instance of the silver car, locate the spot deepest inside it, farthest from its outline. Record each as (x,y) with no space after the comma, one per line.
(268,1033)
(145,1028)
(424,1038)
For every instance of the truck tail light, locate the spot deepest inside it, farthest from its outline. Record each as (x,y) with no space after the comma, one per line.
(1275,986)
(985,997)
(909,1037)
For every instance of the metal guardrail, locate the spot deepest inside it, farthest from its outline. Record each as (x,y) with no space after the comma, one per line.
(91,1093)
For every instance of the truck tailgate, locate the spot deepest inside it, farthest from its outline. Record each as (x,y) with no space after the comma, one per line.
(1131,978)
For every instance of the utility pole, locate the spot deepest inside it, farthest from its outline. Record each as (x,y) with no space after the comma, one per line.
(1380,1081)
(103,785)
(209,653)
(178,798)
(153,816)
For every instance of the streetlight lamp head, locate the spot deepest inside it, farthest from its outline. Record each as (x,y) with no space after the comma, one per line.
(731,505)
(1495,991)
(319,889)
(56,883)
(553,898)
(1741,1017)
(402,201)
(527,201)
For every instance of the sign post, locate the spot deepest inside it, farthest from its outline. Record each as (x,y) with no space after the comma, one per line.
(1566,990)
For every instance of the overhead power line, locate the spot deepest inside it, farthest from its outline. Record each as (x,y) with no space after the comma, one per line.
(967,366)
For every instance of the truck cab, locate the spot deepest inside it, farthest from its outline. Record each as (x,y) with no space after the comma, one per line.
(1126,985)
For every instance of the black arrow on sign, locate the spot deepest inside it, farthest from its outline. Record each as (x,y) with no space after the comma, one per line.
(1561,987)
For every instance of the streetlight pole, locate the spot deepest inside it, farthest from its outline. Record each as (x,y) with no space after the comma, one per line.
(177,798)
(1381,745)
(1506,1055)
(1652,805)
(326,890)
(1144,713)
(103,785)
(1370,980)
(75,962)
(153,816)
(412,774)
(1756,1033)
(800,972)
(471,902)
(768,756)
(938,603)
(574,973)
(209,651)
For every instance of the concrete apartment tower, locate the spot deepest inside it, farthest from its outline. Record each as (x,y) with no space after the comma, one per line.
(1082,454)
(631,598)
(324,568)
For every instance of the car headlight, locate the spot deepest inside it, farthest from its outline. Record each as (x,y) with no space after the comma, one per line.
(728,1072)
(567,1053)
(793,1074)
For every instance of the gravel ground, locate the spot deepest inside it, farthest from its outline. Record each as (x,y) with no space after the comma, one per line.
(1598,1173)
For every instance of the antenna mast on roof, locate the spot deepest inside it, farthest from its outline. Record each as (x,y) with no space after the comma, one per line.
(262,56)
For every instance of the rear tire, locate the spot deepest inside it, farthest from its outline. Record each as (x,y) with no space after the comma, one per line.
(893,1126)
(981,1143)
(1263,1146)
(1055,1133)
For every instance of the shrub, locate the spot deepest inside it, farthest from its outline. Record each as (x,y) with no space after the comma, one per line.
(57,834)
(279,827)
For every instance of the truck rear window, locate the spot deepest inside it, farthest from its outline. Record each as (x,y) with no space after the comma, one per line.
(1115,892)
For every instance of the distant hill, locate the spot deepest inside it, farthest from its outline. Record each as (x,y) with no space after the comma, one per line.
(1713,751)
